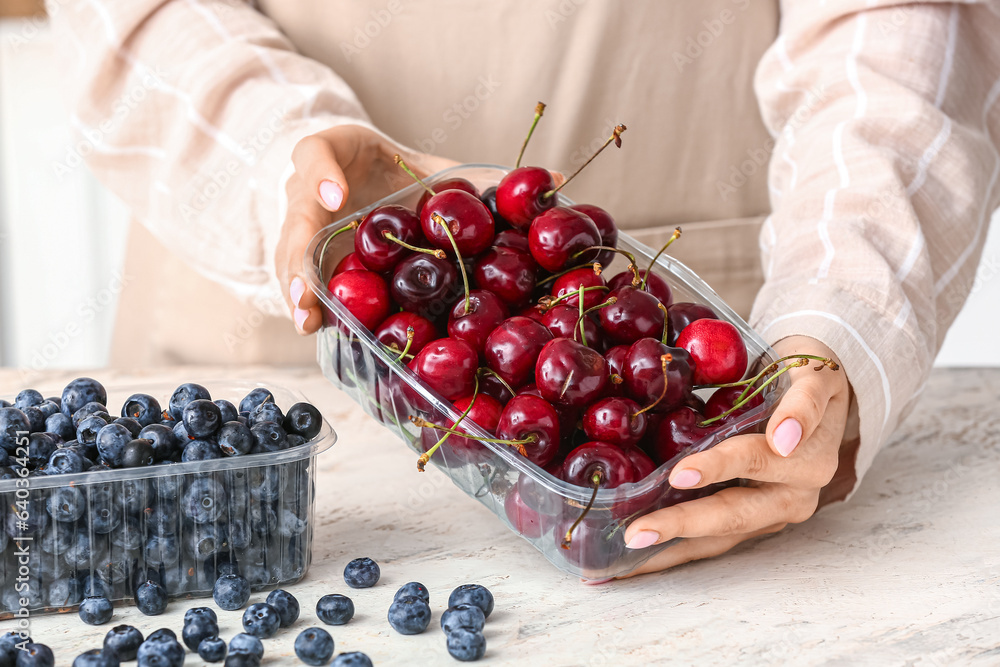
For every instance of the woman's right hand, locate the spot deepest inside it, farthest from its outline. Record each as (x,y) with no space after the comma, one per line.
(343,168)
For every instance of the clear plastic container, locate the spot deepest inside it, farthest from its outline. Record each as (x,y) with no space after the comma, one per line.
(354,361)
(181,524)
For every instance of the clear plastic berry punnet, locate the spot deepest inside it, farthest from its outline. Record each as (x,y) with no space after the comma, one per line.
(354,361)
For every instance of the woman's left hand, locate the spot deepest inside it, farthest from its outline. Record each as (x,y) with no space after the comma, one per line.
(787,467)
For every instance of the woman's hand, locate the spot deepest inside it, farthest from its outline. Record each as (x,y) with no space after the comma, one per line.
(787,468)
(340,169)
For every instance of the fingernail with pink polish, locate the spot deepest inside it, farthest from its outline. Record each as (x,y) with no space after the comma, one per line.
(300,318)
(685,479)
(595,582)
(296,289)
(643,539)
(787,436)
(331,194)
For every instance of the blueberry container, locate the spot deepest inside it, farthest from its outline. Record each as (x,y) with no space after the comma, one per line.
(179,524)
(533,503)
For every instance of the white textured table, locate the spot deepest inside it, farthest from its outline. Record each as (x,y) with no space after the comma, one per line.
(907,573)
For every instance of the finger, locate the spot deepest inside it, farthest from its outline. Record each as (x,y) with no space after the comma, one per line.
(315,161)
(731,511)
(686,551)
(801,409)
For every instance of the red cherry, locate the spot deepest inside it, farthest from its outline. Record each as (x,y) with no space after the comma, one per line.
(447,184)
(485,413)
(570,282)
(569,416)
(491,386)
(512,238)
(508,273)
(601,458)
(644,374)
(521,195)
(392,332)
(643,465)
(525,520)
(350,262)
(364,294)
(486,312)
(448,366)
(655,285)
(556,236)
(561,321)
(616,421)
(468,220)
(595,548)
(371,245)
(684,313)
(513,347)
(724,398)
(677,432)
(605,226)
(717,350)
(426,285)
(525,417)
(534,311)
(571,373)
(634,315)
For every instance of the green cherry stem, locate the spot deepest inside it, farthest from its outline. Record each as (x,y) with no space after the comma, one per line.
(436,252)
(352,225)
(409,342)
(743,401)
(666,322)
(579,322)
(548,302)
(539,110)
(398,160)
(595,480)
(596,265)
(465,278)
(490,371)
(519,444)
(426,456)
(673,237)
(616,136)
(632,266)
(664,360)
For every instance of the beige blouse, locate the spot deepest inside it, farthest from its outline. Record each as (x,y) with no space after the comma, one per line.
(863,134)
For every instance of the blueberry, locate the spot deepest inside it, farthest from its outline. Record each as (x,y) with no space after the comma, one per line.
(472,594)
(244,643)
(180,432)
(255,398)
(463,616)
(66,504)
(151,598)
(36,418)
(261,620)
(231,592)
(183,395)
(200,614)
(204,501)
(64,592)
(163,520)
(132,425)
(95,657)
(123,641)
(235,439)
(201,450)
(266,412)
(162,438)
(12,423)
(66,461)
(28,398)
(143,408)
(40,447)
(335,609)
(36,655)
(295,440)
(361,573)
(268,437)
(138,454)
(303,419)
(409,616)
(286,605)
(13,641)
(352,659)
(466,645)
(212,649)
(81,391)
(198,629)
(111,441)
(227,411)
(161,651)
(161,634)
(202,418)
(241,659)
(314,646)
(91,410)
(105,510)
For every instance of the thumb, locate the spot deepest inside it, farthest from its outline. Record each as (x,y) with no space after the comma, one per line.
(315,159)
(800,410)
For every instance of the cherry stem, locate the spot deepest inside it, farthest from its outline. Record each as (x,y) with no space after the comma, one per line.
(595,480)
(596,266)
(409,341)
(539,110)
(616,379)
(437,252)
(352,225)
(616,136)
(398,160)
(666,322)
(579,322)
(490,371)
(673,237)
(519,444)
(664,360)
(426,456)
(547,302)
(743,401)
(630,256)
(465,278)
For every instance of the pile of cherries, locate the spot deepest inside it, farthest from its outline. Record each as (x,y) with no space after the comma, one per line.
(497,301)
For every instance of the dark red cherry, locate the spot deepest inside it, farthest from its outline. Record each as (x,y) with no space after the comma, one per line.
(717,350)
(615,420)
(426,285)
(724,398)
(490,385)
(525,520)
(569,416)
(468,220)
(392,332)
(530,417)
(513,347)
(605,226)
(350,262)
(534,311)
(571,373)
(447,184)
(655,285)
(684,313)
(508,273)
(485,413)
(597,545)
(561,321)
(643,465)
(571,282)
(364,294)
(602,458)
(521,195)
(634,315)
(644,374)
(556,236)
(677,432)
(486,312)
(512,238)
(371,245)
(447,366)
(489,199)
